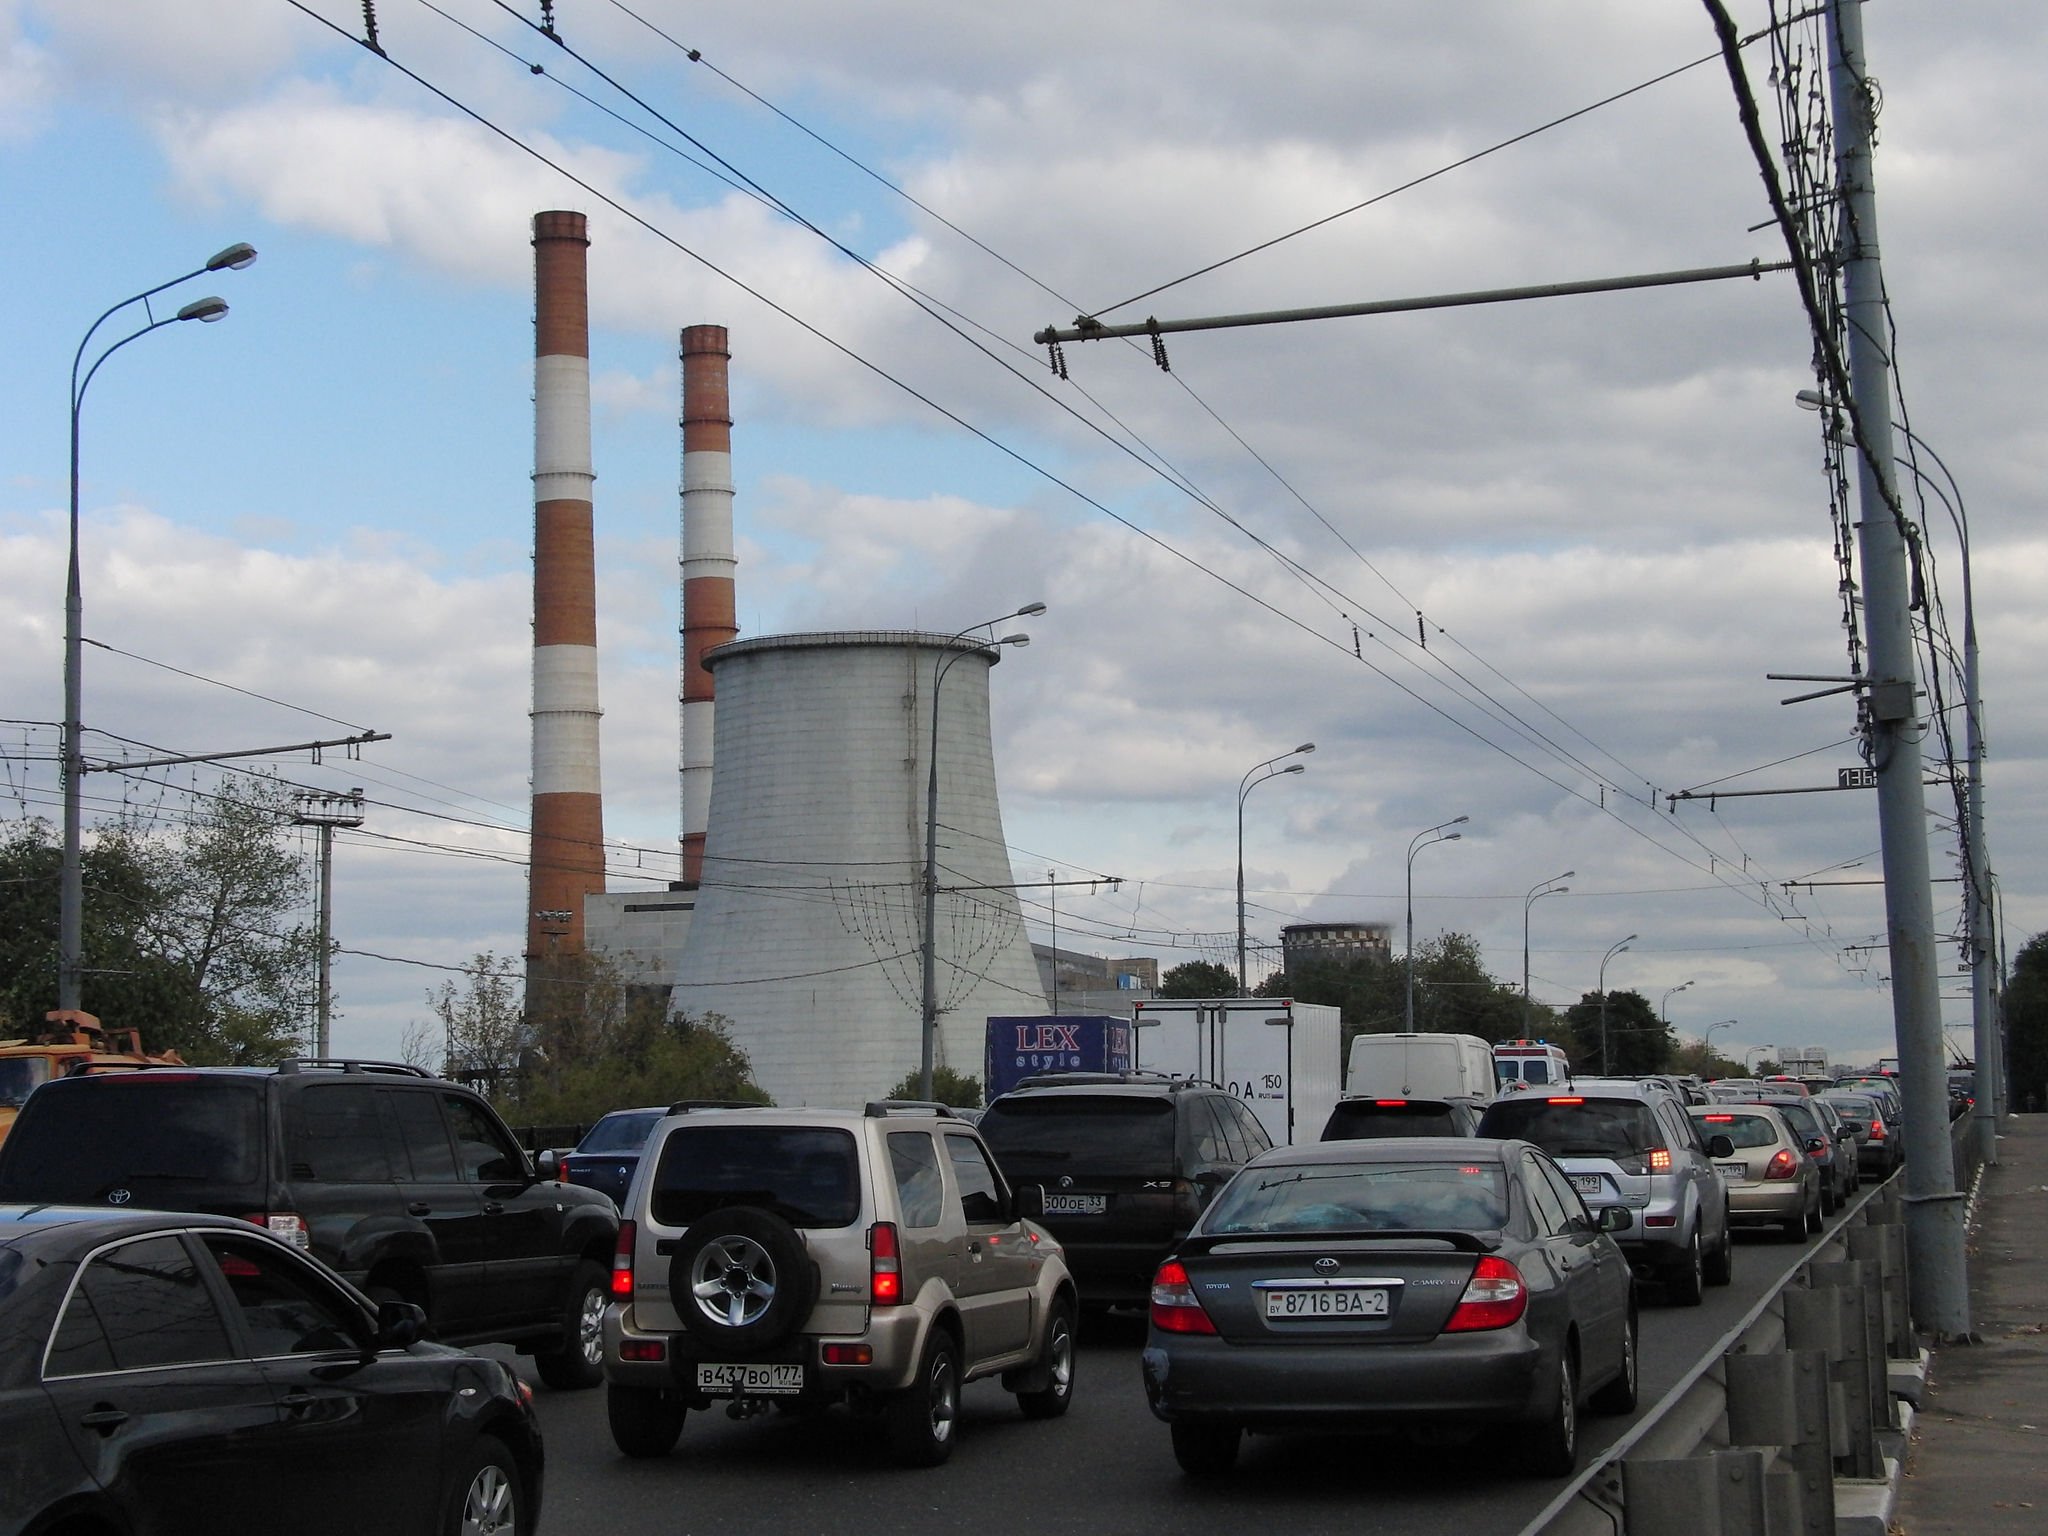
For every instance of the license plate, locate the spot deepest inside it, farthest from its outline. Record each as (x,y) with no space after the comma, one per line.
(1076,1205)
(1327,1301)
(1588,1183)
(1733,1170)
(725,1380)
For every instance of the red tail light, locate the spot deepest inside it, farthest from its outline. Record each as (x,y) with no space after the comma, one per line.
(885,1265)
(1718,1119)
(1783,1165)
(1564,1101)
(622,1263)
(1175,1307)
(1877,1131)
(1495,1297)
(1660,1160)
(1390,1103)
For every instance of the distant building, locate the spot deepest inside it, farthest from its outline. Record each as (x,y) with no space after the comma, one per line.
(1093,984)
(1309,943)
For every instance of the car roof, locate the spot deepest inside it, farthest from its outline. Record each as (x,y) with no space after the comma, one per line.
(1639,1089)
(21,1221)
(1106,1085)
(1390,1149)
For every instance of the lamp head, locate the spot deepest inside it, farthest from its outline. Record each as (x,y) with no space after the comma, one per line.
(1014,640)
(1811,400)
(1458,821)
(237,256)
(1295,768)
(1450,837)
(1029,611)
(206,310)
(1569,874)
(1306,746)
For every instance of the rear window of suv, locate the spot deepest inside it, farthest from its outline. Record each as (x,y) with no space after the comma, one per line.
(807,1175)
(1037,1138)
(1364,1119)
(1576,1127)
(76,1141)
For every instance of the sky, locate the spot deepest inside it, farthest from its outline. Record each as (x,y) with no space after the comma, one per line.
(1526,563)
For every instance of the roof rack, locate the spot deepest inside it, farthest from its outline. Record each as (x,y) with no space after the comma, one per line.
(334,1063)
(684,1106)
(1168,1080)
(881,1109)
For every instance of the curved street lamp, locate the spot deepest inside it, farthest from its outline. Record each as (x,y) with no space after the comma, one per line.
(929,1011)
(71,880)
(1245,786)
(1537,892)
(1420,840)
(1663,1008)
(1616,948)
(1707,1042)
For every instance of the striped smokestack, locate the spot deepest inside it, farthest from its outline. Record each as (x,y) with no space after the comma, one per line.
(707,567)
(568,810)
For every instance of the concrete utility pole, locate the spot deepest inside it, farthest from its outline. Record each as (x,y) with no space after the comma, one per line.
(1934,1208)
(327,812)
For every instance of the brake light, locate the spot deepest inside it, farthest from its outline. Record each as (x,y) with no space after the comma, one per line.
(1389,1103)
(1494,1298)
(1783,1165)
(285,1226)
(885,1265)
(1175,1307)
(1564,1101)
(1877,1132)
(1718,1119)
(1660,1160)
(622,1262)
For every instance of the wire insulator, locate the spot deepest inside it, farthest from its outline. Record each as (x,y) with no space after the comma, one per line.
(370,28)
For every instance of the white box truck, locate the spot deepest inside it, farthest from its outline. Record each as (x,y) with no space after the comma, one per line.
(1282,1058)
(1420,1066)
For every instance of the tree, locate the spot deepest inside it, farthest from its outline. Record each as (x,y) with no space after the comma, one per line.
(1453,992)
(954,1089)
(482,1034)
(1637,1040)
(189,932)
(1199,978)
(2026,1017)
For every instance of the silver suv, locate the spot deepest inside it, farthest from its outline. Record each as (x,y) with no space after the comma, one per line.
(805,1257)
(1629,1141)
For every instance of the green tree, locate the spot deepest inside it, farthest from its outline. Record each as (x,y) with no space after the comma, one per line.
(1637,1040)
(1453,993)
(949,1087)
(2026,1016)
(1199,978)
(479,1031)
(191,933)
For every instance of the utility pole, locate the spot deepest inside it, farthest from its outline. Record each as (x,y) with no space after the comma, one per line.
(1938,1278)
(327,812)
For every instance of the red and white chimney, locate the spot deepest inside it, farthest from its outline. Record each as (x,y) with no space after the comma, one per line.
(567,860)
(708,563)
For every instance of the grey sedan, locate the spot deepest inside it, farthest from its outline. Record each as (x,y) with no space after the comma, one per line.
(1422,1284)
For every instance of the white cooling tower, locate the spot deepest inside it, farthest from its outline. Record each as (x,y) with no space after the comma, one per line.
(808,930)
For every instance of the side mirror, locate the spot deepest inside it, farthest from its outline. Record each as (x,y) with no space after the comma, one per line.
(1720,1146)
(548,1165)
(1816,1143)
(1027,1202)
(400,1324)
(1616,1218)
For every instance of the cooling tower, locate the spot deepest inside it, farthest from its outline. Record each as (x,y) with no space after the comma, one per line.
(567,858)
(708,563)
(808,930)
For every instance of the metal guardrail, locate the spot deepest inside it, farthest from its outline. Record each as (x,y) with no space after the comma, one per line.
(1762,1418)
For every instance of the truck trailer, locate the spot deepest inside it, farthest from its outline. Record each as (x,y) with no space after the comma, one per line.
(1282,1058)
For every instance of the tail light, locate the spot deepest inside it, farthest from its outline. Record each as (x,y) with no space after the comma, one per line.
(1877,1131)
(1494,1298)
(1783,1165)
(622,1262)
(285,1226)
(1175,1307)
(1660,1160)
(885,1265)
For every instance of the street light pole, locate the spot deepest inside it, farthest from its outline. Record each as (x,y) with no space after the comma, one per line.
(1613,950)
(1245,786)
(1663,1003)
(928,1013)
(1420,840)
(71,879)
(1537,892)
(1707,1043)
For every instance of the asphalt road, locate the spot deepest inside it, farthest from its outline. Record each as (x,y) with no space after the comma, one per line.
(1105,1467)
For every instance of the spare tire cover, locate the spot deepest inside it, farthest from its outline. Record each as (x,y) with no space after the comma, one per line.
(741,1280)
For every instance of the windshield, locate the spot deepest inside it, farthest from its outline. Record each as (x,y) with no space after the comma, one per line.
(19,1075)
(1576,1127)
(86,1136)
(1375,1197)
(1039,1137)
(623,1131)
(807,1175)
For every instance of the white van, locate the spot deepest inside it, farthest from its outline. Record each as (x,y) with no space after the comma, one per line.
(1523,1064)
(1420,1066)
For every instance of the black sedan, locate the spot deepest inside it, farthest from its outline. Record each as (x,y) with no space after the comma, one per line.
(174,1373)
(1433,1285)
(608,1155)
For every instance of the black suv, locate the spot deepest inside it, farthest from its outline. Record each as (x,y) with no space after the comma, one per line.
(410,1186)
(1128,1161)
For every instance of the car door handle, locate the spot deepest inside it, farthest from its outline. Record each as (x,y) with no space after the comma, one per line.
(493,1208)
(105,1420)
(419,1208)
(298,1400)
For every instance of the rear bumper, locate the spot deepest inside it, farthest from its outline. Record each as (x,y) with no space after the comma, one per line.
(1477,1377)
(895,1335)
(1755,1205)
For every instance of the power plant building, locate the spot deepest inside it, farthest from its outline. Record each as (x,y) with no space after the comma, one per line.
(808,930)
